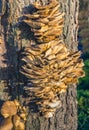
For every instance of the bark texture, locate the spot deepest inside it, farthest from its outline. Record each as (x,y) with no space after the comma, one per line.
(65,117)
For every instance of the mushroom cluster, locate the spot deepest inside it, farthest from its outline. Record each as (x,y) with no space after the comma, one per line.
(14,116)
(46,22)
(49,66)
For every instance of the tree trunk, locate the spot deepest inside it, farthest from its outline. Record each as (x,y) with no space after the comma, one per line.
(65,117)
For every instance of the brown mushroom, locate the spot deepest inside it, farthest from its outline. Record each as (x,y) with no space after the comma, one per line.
(8,109)
(18,125)
(6,124)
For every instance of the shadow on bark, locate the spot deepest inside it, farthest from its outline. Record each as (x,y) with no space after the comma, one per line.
(12,58)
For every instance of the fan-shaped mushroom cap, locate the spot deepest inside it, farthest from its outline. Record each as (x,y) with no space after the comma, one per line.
(8,109)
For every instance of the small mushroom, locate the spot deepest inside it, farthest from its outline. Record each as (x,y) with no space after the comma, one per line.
(16,103)
(6,124)
(8,109)
(23,116)
(18,125)
(16,120)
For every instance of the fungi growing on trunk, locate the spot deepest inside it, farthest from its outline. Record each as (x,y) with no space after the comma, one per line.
(49,65)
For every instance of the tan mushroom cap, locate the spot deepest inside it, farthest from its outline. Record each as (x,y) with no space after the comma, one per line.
(6,124)
(8,109)
(16,120)
(17,123)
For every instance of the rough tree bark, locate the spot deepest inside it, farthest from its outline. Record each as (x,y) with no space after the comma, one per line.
(65,117)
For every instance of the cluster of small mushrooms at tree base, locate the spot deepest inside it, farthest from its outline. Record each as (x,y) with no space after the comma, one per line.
(14,116)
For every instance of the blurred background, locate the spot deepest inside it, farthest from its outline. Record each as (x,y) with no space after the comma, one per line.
(83,86)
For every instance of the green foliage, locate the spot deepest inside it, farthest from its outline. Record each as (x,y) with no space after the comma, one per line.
(83,110)
(83,87)
(83,99)
(84,82)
